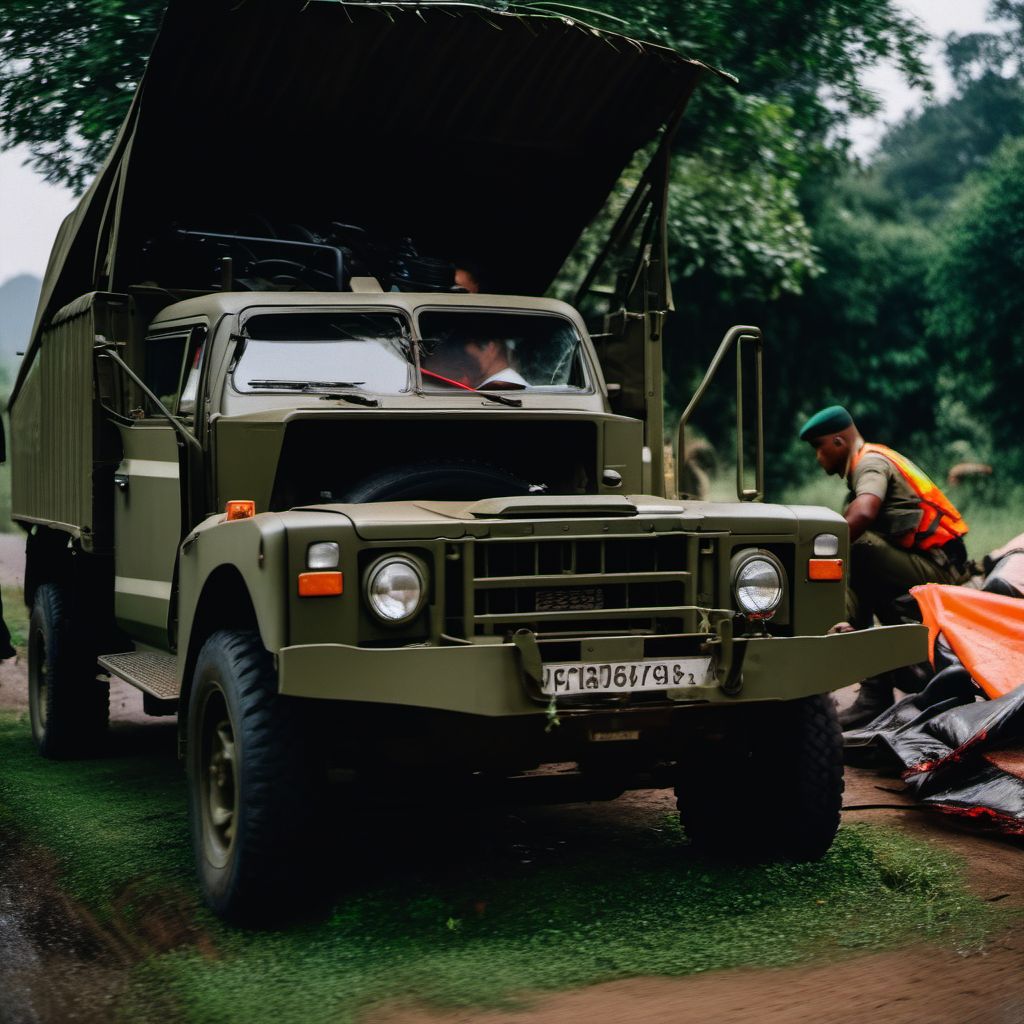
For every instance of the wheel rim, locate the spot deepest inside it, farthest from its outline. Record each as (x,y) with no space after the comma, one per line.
(38,683)
(218,778)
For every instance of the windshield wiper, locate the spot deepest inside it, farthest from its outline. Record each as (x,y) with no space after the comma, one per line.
(501,399)
(305,385)
(347,396)
(321,388)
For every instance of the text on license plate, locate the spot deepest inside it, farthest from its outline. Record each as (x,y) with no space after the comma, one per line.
(587,677)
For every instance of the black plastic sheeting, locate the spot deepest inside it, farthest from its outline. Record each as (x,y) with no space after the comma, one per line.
(948,745)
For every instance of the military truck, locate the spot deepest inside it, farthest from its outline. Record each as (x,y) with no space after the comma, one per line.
(351,520)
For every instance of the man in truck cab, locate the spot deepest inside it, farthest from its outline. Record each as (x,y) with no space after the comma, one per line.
(471,356)
(903,532)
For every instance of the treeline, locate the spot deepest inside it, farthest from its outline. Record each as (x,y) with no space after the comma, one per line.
(892,287)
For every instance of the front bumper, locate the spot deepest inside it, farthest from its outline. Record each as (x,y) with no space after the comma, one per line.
(490,680)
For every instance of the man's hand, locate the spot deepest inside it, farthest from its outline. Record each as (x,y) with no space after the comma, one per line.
(861,514)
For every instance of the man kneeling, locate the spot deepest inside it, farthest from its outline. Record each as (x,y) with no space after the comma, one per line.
(903,531)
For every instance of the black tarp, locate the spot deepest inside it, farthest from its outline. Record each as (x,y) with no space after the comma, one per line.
(957,753)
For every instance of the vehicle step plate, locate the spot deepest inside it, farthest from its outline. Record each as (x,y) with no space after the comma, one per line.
(149,671)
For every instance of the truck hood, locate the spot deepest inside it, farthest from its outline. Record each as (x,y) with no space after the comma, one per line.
(484,136)
(423,520)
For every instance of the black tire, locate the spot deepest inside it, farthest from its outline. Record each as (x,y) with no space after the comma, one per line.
(68,705)
(440,480)
(250,812)
(771,791)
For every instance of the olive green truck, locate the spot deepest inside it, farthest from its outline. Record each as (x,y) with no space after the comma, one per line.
(303,455)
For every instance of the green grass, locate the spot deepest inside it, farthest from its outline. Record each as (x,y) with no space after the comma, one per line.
(15,614)
(459,910)
(6,525)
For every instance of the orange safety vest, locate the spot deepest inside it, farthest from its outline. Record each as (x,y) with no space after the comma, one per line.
(940,520)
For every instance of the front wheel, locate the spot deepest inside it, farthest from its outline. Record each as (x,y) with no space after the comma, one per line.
(769,789)
(68,705)
(250,785)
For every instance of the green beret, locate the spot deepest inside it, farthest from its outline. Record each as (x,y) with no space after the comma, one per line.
(829,421)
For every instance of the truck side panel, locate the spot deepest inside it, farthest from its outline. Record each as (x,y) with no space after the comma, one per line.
(51,426)
(63,449)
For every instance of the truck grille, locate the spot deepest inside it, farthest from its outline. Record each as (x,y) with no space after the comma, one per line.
(577,586)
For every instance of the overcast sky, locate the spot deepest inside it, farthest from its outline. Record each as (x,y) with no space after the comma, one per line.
(31,210)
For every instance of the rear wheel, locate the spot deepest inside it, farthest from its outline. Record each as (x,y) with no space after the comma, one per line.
(68,705)
(770,790)
(252,792)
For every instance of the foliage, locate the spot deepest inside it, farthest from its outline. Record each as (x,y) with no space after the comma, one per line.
(740,220)
(67,72)
(925,158)
(491,905)
(977,313)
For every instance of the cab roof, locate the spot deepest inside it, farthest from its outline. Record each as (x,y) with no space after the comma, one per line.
(216,304)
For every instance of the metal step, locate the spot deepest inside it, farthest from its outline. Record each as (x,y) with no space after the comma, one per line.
(148,671)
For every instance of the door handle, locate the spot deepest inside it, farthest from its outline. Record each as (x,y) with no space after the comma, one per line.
(121,481)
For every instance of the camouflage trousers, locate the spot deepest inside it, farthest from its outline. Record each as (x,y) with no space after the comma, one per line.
(881,572)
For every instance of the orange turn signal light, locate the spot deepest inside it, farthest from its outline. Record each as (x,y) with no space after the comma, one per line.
(320,584)
(824,568)
(240,510)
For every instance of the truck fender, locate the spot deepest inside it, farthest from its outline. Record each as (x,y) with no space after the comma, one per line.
(232,575)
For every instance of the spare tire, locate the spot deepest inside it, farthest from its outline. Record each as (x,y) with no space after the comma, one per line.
(441,480)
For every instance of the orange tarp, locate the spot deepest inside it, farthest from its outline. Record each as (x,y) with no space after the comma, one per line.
(986,632)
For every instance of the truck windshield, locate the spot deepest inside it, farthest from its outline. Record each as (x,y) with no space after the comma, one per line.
(287,351)
(499,351)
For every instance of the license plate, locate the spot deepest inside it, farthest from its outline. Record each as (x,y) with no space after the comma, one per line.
(623,676)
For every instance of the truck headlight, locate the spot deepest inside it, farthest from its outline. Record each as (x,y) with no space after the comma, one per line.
(756,583)
(396,588)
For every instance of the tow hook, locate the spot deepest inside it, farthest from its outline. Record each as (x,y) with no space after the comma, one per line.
(529,655)
(729,655)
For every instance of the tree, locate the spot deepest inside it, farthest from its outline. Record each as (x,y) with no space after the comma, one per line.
(68,69)
(977,317)
(922,161)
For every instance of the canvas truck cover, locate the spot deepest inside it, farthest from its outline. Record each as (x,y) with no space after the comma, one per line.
(482,135)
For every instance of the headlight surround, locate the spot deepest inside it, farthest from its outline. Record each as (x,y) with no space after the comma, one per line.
(758,583)
(396,588)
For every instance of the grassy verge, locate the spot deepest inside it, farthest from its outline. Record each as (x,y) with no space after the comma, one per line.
(470,912)
(15,614)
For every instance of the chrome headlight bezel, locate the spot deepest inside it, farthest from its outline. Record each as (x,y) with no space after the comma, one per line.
(382,564)
(743,562)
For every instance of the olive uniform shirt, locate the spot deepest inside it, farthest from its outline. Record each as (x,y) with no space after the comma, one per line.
(901,508)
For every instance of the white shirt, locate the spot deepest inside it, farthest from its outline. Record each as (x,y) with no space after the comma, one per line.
(506,376)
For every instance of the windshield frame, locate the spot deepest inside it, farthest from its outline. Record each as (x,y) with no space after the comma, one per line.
(402,315)
(563,391)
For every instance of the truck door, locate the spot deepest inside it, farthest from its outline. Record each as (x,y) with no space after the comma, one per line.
(151,488)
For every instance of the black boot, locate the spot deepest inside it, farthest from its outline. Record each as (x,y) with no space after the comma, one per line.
(873,697)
